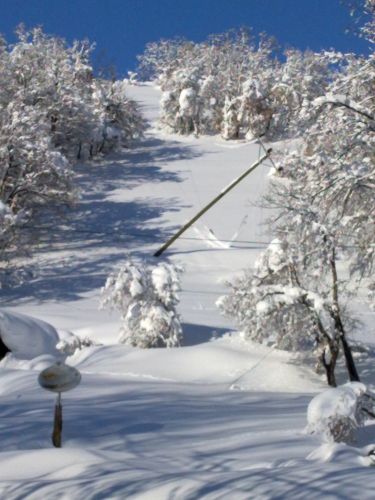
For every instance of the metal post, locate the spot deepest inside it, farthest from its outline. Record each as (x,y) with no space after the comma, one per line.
(212,203)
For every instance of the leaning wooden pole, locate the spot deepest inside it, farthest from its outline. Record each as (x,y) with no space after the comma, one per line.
(212,203)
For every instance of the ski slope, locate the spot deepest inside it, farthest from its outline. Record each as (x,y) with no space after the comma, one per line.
(216,418)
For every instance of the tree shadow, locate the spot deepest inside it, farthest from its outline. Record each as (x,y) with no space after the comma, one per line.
(198,334)
(153,435)
(76,248)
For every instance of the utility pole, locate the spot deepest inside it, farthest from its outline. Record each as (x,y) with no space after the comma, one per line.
(222,193)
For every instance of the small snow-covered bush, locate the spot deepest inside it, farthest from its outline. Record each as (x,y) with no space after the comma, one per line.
(70,343)
(336,413)
(147,297)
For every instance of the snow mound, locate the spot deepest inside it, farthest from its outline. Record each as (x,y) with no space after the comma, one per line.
(226,361)
(36,364)
(28,337)
(339,400)
(334,414)
(34,344)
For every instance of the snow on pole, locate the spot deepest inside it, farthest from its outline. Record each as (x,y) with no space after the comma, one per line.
(222,193)
(58,378)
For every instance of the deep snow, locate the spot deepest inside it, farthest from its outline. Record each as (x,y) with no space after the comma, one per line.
(217,418)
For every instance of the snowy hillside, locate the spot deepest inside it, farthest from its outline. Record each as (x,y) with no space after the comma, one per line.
(216,418)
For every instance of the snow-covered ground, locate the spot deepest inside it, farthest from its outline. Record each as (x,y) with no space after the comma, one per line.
(217,418)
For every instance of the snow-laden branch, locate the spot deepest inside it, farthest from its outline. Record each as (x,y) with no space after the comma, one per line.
(343,101)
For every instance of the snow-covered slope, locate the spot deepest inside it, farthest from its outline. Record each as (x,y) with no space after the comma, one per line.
(133,203)
(217,418)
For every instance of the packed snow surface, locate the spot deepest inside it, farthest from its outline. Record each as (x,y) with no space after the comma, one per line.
(218,417)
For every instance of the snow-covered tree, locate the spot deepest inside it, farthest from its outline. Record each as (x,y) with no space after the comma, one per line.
(118,122)
(303,77)
(83,112)
(364,13)
(334,166)
(147,297)
(236,85)
(231,123)
(199,79)
(33,175)
(51,114)
(180,103)
(290,300)
(324,204)
(160,57)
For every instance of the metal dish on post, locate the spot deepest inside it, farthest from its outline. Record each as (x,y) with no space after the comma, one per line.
(59,378)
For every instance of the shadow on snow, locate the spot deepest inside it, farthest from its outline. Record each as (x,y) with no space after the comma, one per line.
(77,249)
(178,445)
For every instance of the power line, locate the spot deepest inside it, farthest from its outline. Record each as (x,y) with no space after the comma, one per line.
(119,238)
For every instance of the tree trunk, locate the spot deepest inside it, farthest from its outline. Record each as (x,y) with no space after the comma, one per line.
(331,365)
(330,374)
(101,147)
(339,327)
(349,361)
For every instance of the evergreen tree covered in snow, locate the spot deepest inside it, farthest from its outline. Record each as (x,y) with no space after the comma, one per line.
(147,298)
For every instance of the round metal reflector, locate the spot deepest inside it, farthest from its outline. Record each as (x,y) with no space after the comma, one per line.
(59,378)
